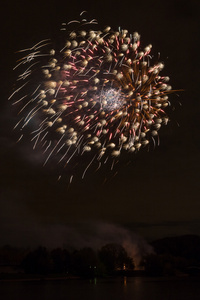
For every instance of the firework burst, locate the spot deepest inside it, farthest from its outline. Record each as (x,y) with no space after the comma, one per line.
(98,93)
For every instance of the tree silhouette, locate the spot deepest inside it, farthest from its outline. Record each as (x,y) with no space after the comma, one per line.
(114,256)
(61,260)
(37,261)
(84,262)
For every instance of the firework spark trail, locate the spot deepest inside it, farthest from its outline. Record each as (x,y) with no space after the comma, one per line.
(98,88)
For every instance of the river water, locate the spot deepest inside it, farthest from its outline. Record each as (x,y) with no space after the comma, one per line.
(134,288)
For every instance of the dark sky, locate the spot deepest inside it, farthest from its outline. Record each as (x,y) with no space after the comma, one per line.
(157,194)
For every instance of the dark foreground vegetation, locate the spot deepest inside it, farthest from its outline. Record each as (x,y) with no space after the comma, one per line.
(177,256)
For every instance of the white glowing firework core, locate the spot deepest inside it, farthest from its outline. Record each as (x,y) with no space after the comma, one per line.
(111,99)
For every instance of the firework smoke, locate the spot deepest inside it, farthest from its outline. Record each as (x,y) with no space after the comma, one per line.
(95,93)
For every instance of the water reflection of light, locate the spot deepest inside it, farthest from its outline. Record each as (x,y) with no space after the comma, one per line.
(93,281)
(125,281)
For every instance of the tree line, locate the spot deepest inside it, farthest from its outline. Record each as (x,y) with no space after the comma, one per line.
(84,262)
(172,256)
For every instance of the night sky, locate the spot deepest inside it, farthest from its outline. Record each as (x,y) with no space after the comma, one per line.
(154,196)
